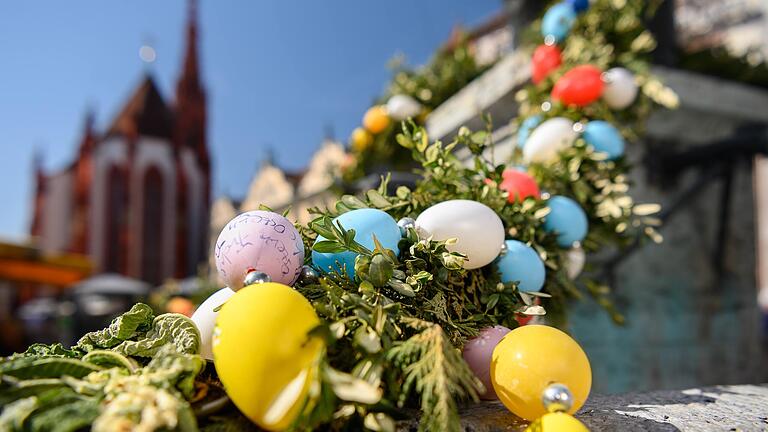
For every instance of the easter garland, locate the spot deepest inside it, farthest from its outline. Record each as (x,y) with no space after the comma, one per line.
(412,94)
(411,301)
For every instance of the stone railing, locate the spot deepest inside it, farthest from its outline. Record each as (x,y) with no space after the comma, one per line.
(721,408)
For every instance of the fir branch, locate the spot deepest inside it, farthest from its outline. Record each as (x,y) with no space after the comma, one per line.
(434,368)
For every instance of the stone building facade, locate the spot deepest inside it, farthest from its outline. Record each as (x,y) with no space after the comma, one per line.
(135,199)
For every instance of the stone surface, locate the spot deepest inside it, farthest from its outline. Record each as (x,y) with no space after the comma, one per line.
(721,408)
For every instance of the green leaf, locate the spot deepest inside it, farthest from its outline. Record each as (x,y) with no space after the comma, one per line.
(328,246)
(172,328)
(46,367)
(15,414)
(402,288)
(124,327)
(493,299)
(108,359)
(432,153)
(322,226)
(40,350)
(404,141)
(68,417)
(353,202)
(348,388)
(377,199)
(380,270)
(367,339)
(422,140)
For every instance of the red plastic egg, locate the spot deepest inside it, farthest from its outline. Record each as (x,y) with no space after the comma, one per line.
(545,59)
(519,184)
(580,86)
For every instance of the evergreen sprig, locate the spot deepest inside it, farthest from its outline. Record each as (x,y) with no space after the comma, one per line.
(434,369)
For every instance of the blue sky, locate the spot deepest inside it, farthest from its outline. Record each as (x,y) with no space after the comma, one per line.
(277,73)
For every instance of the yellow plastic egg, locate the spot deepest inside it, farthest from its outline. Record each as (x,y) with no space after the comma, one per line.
(263,354)
(557,422)
(530,358)
(376,119)
(360,139)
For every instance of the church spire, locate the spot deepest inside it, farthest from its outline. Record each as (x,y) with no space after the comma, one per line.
(190,69)
(190,95)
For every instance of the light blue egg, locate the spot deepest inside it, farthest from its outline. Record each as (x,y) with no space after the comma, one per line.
(366,223)
(558,21)
(521,264)
(578,5)
(567,219)
(526,127)
(604,138)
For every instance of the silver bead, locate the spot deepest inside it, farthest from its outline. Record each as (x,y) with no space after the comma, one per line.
(404,224)
(578,127)
(557,398)
(256,277)
(546,106)
(308,275)
(504,249)
(545,195)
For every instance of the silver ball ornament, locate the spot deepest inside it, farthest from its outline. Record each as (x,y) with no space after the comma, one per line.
(308,275)
(504,249)
(557,398)
(406,223)
(256,277)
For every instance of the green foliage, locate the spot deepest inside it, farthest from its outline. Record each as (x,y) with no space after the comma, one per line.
(435,370)
(98,383)
(170,328)
(450,70)
(126,326)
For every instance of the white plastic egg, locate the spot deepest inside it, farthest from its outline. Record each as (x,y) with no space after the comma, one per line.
(401,106)
(205,319)
(478,229)
(548,139)
(620,88)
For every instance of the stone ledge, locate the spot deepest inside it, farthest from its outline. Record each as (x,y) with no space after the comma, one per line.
(719,408)
(494,93)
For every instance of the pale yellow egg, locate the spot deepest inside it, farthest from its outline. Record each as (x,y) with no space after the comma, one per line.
(376,119)
(557,422)
(530,358)
(263,354)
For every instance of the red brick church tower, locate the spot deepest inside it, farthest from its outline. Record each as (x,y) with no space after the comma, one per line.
(136,198)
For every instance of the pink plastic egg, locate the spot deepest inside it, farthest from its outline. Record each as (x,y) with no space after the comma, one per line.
(478,353)
(262,241)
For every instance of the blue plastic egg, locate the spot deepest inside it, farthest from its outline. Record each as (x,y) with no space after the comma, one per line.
(521,264)
(567,219)
(557,21)
(604,138)
(525,129)
(366,223)
(578,5)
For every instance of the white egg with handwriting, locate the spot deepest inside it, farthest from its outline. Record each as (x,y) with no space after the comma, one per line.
(205,319)
(477,228)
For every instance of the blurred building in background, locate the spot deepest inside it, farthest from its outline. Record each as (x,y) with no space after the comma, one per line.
(135,199)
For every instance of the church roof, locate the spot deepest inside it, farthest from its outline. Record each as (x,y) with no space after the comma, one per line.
(146,113)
